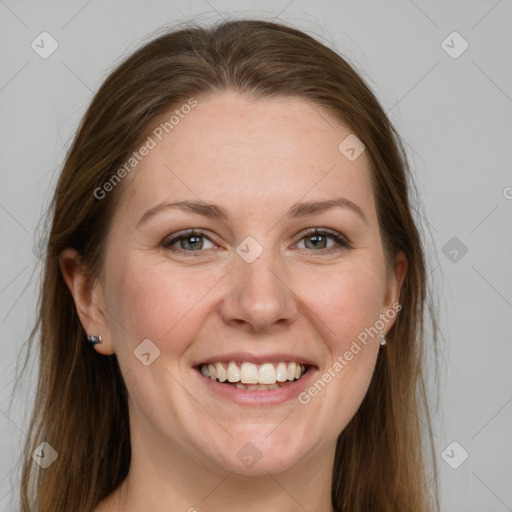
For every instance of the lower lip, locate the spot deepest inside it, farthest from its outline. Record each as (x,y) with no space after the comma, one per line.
(261,398)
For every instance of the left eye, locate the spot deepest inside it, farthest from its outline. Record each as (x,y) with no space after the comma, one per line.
(319,239)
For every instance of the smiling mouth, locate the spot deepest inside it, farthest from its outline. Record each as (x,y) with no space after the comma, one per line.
(254,377)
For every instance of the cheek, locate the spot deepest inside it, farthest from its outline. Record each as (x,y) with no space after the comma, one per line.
(150,301)
(346,302)
(345,305)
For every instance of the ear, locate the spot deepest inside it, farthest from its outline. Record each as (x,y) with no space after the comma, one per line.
(395,280)
(89,301)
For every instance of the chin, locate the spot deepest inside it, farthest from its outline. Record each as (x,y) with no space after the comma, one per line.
(265,450)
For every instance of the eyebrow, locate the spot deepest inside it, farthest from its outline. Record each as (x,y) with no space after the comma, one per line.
(213,211)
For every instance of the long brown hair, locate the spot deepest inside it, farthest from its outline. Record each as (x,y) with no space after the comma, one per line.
(81,402)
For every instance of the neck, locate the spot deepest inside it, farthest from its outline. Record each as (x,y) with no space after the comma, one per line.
(164,477)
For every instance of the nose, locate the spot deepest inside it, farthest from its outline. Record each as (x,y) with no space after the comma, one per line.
(258,296)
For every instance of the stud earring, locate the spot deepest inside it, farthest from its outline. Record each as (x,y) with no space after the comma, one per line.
(383,339)
(94,340)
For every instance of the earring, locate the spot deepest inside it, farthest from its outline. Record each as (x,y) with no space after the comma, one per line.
(383,339)
(94,340)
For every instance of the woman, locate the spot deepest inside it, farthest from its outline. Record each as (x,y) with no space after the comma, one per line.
(232,309)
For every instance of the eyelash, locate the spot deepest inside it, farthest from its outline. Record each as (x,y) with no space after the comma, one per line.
(337,237)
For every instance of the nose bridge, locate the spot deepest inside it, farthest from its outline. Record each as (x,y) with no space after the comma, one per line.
(257,293)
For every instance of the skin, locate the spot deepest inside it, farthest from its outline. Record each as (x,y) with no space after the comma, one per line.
(255,158)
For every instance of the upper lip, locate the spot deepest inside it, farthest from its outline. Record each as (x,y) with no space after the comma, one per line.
(255,358)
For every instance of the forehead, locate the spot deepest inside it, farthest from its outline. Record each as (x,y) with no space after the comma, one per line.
(248,153)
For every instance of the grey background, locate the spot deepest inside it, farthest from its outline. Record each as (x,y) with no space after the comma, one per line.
(455,117)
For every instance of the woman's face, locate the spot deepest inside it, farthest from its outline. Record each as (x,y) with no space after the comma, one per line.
(252,289)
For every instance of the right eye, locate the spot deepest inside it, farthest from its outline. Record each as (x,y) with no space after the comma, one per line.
(190,241)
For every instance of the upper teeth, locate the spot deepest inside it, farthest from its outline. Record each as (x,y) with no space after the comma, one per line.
(248,373)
